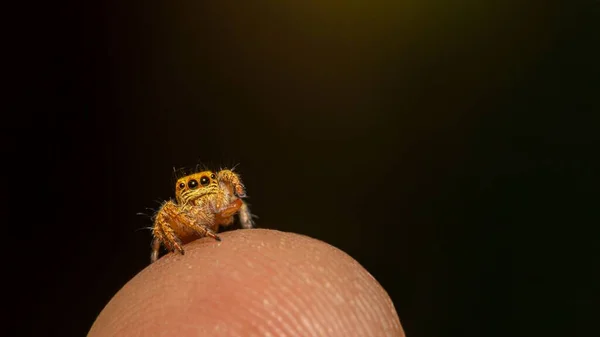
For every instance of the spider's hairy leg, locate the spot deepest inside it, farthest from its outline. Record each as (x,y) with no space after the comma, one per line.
(202,221)
(245,216)
(159,237)
(229,177)
(155,248)
(163,232)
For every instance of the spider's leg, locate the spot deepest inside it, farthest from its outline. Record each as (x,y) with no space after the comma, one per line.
(163,232)
(159,236)
(245,216)
(206,231)
(155,248)
(173,242)
(202,221)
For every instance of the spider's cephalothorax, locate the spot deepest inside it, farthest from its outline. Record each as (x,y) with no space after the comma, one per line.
(203,202)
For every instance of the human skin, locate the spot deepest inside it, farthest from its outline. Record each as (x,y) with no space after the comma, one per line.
(254,282)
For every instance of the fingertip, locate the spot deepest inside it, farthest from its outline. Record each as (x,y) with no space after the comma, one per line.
(253,282)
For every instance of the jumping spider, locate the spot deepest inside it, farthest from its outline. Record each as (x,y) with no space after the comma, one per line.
(204,201)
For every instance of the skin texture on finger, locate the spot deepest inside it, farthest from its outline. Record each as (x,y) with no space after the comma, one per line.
(253,283)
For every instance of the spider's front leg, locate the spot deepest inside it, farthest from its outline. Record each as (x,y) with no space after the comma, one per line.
(203,222)
(163,231)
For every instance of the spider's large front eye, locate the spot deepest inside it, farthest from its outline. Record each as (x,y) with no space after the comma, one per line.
(204,181)
(192,184)
(181,186)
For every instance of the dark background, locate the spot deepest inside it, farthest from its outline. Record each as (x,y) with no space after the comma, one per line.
(448,147)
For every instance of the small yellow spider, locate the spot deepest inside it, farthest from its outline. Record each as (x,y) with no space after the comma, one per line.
(204,201)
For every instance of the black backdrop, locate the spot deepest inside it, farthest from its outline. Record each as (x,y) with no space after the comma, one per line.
(447,147)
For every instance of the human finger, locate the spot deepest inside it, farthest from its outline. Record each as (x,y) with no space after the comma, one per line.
(253,283)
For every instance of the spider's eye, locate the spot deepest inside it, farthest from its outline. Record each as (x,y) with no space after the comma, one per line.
(181,186)
(204,181)
(213,176)
(192,184)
